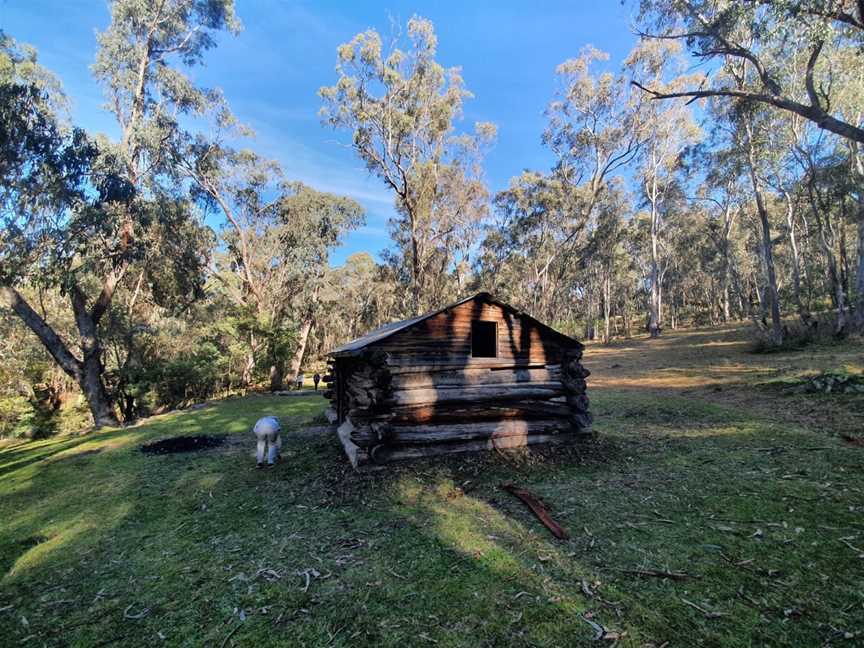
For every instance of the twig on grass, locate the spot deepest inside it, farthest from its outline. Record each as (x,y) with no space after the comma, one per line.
(229,635)
(708,613)
(598,629)
(658,573)
(139,615)
(860,552)
(601,632)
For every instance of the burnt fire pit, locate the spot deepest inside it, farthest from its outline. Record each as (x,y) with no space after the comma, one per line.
(183,444)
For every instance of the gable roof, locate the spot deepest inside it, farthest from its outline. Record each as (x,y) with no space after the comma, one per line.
(355,346)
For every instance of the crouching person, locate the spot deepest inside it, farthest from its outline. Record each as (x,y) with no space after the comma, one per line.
(268,432)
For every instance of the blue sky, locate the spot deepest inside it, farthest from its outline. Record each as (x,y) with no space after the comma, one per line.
(271,71)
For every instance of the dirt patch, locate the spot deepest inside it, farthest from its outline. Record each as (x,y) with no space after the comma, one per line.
(183,444)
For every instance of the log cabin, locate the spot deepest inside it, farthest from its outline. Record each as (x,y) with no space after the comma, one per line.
(474,375)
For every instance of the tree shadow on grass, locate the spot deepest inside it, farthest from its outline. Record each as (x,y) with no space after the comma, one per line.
(433,548)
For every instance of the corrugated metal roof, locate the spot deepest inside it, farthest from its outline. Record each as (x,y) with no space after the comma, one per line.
(350,348)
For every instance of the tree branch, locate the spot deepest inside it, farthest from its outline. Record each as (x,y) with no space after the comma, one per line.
(50,340)
(813,113)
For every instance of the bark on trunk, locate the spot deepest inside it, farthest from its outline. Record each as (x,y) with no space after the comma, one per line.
(88,372)
(859,277)
(858,172)
(92,370)
(803,311)
(297,357)
(277,375)
(772,295)
(654,306)
(607,308)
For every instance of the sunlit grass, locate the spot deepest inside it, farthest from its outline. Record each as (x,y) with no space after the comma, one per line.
(101,543)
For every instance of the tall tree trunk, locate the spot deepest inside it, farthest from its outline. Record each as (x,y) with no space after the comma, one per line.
(249,363)
(803,311)
(772,294)
(87,372)
(821,213)
(303,334)
(300,350)
(607,306)
(277,375)
(858,172)
(655,300)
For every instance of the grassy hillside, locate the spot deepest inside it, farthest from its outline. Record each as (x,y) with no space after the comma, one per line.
(709,466)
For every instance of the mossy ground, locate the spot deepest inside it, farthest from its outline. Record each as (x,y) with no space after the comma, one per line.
(700,469)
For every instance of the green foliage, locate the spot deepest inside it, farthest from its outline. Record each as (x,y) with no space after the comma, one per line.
(400,108)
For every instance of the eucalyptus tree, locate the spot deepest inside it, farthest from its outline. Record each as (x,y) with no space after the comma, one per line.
(606,252)
(593,130)
(521,251)
(243,187)
(400,107)
(666,131)
(142,65)
(823,191)
(313,224)
(759,35)
(92,211)
(277,239)
(803,57)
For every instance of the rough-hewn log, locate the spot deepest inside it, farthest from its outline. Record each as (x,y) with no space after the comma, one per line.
(579,403)
(358,456)
(385,453)
(476,394)
(426,364)
(462,412)
(463,377)
(582,421)
(421,435)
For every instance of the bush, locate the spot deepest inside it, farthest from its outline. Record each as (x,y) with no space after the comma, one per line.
(187,379)
(16,417)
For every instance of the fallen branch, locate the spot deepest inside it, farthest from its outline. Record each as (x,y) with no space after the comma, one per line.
(860,552)
(658,573)
(598,629)
(538,509)
(601,633)
(708,613)
(229,635)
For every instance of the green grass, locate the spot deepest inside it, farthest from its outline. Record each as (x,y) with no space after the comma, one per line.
(208,551)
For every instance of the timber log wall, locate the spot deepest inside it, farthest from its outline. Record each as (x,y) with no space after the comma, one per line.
(419,391)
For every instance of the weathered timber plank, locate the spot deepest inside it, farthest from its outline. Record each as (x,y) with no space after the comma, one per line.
(421,435)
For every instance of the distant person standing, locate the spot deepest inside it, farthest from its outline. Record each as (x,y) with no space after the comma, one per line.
(299,382)
(316,379)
